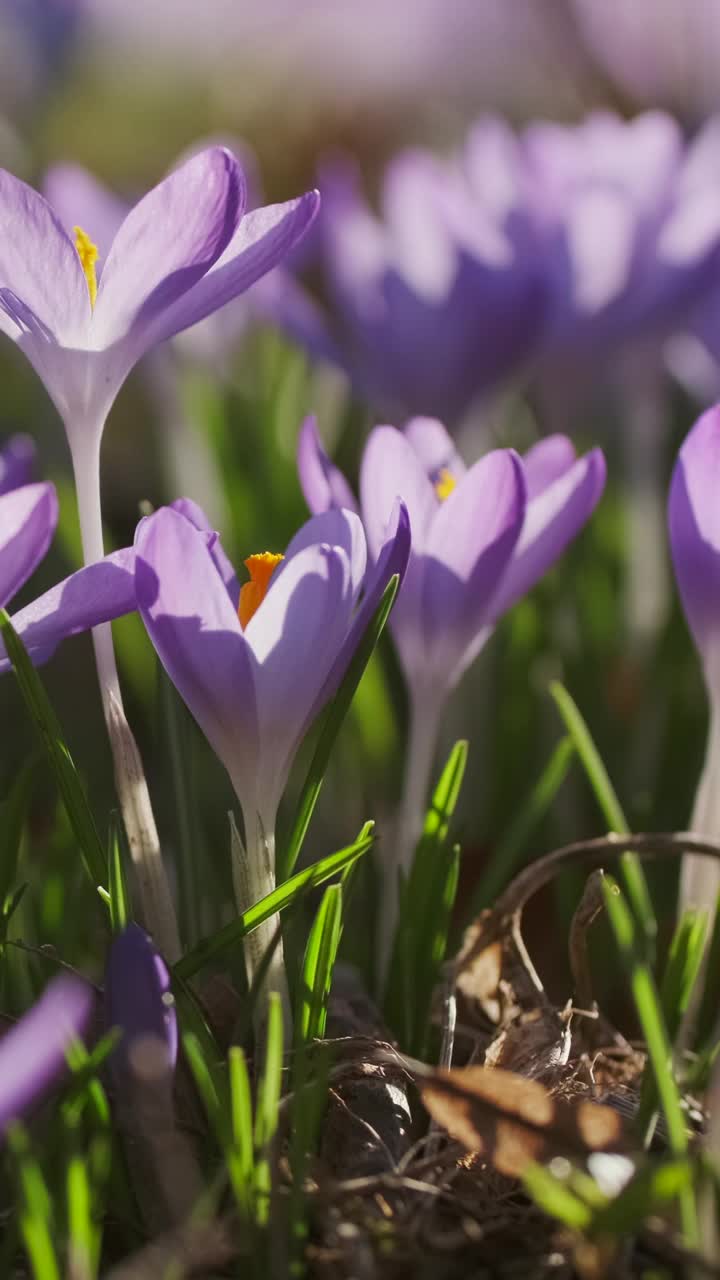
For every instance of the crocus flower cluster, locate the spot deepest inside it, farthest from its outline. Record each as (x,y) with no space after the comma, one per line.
(481,538)
(525,253)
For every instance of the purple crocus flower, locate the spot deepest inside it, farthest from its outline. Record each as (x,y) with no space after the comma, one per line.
(33,1052)
(256,664)
(16,463)
(138,1001)
(84,313)
(481,538)
(694,522)
(441,297)
(77,196)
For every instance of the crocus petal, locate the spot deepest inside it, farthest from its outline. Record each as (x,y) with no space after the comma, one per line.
(552,520)
(138,1000)
(98,593)
(391,469)
(392,561)
(337,528)
(16,463)
(434,446)
(39,264)
(167,243)
(322,483)
(192,623)
(32,1053)
(295,637)
(197,517)
(468,547)
(694,519)
(547,461)
(263,238)
(28,517)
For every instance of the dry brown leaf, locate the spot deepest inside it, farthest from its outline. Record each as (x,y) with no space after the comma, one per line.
(511,1120)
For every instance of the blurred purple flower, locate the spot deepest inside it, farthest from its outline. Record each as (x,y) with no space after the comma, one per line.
(441,298)
(16,463)
(33,1052)
(95,594)
(138,1001)
(659,52)
(37,37)
(28,517)
(628,221)
(694,523)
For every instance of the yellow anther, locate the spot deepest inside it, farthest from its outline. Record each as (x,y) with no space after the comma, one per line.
(88,255)
(252,594)
(445,484)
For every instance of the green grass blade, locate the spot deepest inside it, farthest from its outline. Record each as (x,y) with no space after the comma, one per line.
(35,1216)
(61,762)
(266,1110)
(606,796)
(682,968)
(446,794)
(82,1230)
(426,902)
(707,1016)
(239,1158)
(118,892)
(284,896)
(514,841)
(332,721)
(308,1107)
(556,1199)
(13,812)
(206,1086)
(647,1005)
(319,963)
(681,971)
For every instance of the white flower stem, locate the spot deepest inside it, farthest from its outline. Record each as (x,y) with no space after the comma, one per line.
(253,870)
(700,877)
(426,707)
(157,908)
(647,588)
